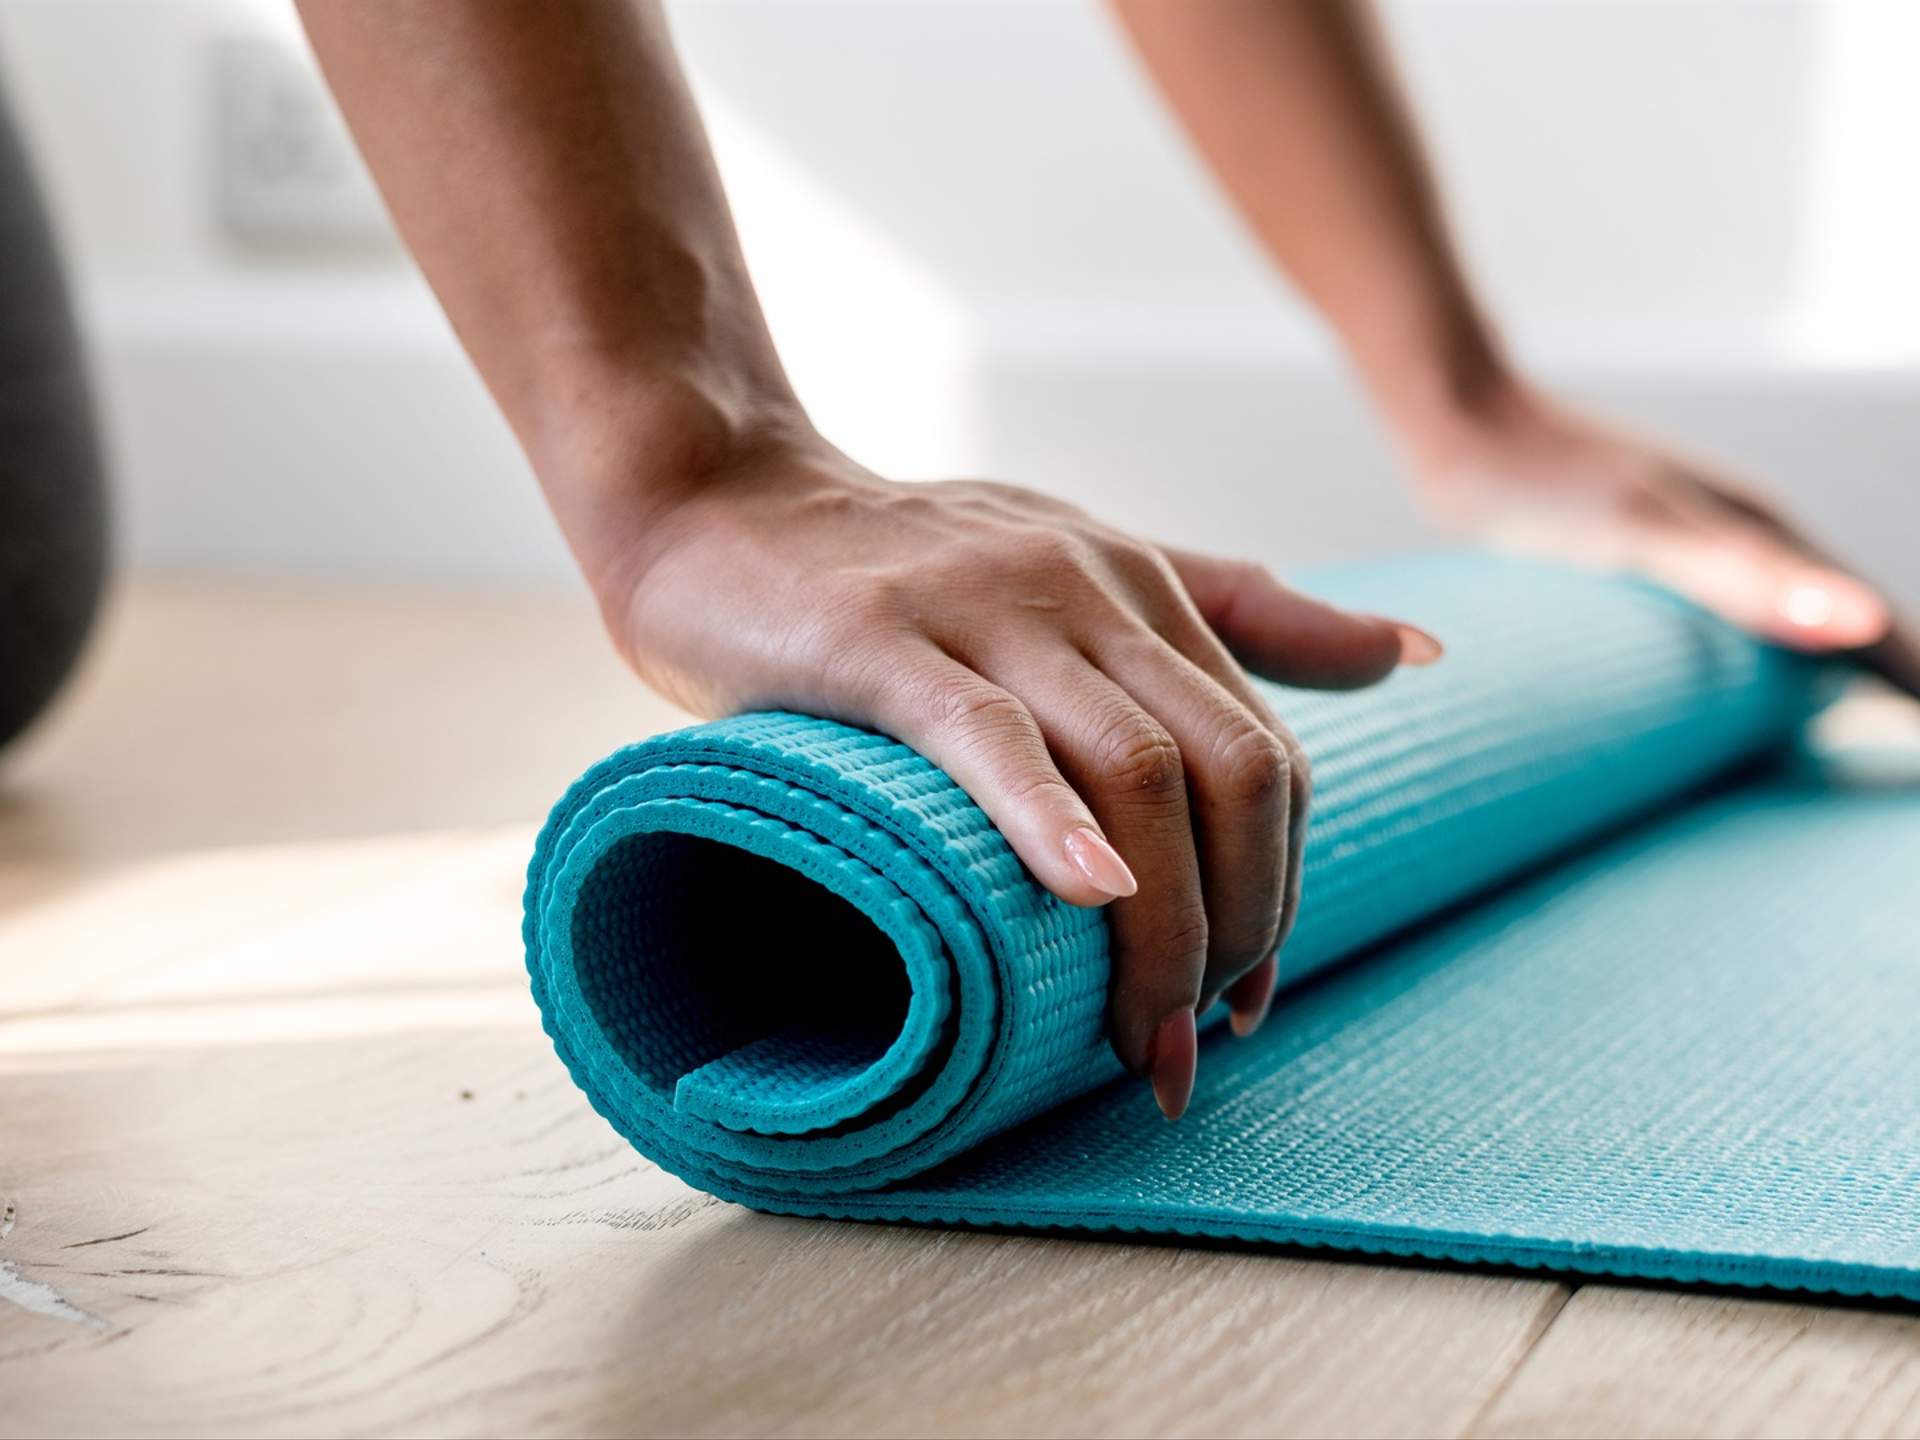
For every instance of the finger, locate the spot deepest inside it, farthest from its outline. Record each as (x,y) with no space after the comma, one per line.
(989,742)
(1239,773)
(1251,996)
(1768,588)
(1131,773)
(1289,638)
(1895,655)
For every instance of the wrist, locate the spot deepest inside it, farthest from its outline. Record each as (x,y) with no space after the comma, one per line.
(652,424)
(1439,376)
(1448,424)
(620,450)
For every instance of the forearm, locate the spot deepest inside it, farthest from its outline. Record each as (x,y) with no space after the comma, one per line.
(1295,107)
(546,165)
(547,168)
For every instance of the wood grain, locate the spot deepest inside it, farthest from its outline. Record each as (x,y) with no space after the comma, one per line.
(319,1172)
(1623,1361)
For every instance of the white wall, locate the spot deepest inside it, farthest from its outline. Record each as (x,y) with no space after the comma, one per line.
(985,249)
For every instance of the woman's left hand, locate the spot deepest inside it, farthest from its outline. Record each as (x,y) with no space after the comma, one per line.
(1533,474)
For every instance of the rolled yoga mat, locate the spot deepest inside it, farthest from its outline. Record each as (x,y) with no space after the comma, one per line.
(1617,998)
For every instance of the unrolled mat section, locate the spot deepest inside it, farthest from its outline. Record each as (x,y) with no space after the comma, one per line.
(793,963)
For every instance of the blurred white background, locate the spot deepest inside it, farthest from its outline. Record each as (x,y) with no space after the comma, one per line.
(986,250)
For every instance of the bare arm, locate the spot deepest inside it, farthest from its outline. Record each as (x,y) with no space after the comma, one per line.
(1295,106)
(548,169)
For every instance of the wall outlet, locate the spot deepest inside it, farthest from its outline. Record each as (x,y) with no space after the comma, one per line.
(286,174)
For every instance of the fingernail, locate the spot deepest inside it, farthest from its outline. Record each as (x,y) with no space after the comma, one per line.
(1094,858)
(1173,1058)
(1245,1019)
(1417,647)
(1842,612)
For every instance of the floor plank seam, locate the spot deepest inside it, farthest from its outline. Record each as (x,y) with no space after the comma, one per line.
(1505,1383)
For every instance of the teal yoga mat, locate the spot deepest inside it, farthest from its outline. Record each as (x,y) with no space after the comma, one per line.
(1585,977)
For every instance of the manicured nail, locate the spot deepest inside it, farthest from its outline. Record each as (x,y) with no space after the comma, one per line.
(1417,647)
(1808,606)
(1094,858)
(1245,1019)
(1173,1057)
(1842,612)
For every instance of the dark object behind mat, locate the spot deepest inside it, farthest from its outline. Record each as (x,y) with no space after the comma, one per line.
(53,522)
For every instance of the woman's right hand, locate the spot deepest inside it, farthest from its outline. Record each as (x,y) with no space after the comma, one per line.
(548,169)
(1085,688)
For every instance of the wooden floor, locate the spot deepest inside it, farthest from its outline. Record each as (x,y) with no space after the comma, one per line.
(283,1149)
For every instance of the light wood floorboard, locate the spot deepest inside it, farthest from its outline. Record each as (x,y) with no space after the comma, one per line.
(284,1150)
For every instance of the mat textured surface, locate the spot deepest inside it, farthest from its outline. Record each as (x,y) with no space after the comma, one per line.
(1620,1000)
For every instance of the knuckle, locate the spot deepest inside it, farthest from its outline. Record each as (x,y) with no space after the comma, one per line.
(1036,785)
(1048,551)
(1045,569)
(1136,753)
(1235,951)
(980,710)
(1186,940)
(1254,767)
(1139,563)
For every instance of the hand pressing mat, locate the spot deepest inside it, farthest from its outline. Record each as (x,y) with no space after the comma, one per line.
(1622,999)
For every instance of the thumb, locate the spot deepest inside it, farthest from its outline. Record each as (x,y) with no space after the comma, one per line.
(1289,638)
